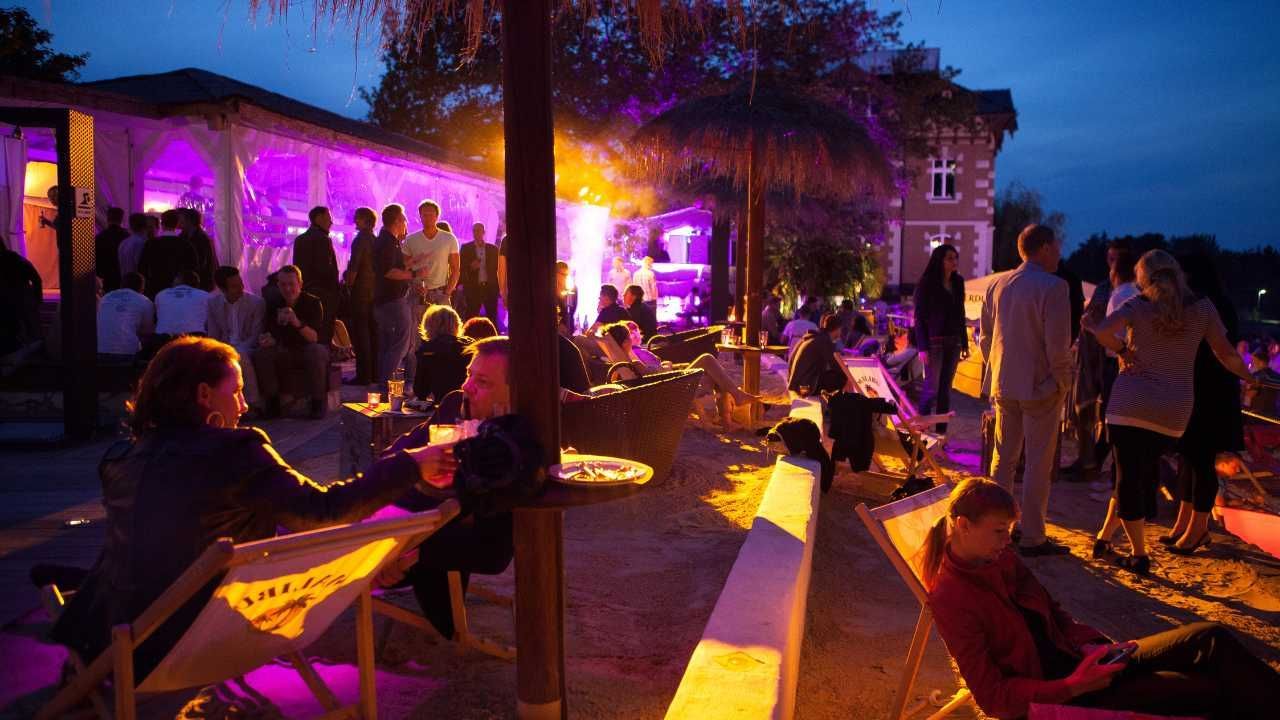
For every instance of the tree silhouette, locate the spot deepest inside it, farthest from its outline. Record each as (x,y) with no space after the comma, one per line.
(25,51)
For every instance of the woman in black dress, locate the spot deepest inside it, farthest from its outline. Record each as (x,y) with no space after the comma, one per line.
(1216,423)
(940,331)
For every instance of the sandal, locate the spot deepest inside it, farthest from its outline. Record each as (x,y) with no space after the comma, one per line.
(1136,564)
(1204,541)
(1101,548)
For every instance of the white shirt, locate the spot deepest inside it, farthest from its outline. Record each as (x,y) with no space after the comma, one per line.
(648,282)
(124,315)
(181,309)
(431,255)
(1123,293)
(794,331)
(620,279)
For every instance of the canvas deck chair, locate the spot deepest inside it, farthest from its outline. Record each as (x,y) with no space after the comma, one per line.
(874,380)
(899,529)
(275,598)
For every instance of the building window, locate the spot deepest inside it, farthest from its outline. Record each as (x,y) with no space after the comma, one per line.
(942,176)
(936,241)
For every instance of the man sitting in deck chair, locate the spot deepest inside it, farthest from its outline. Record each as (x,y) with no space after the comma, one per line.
(1014,645)
(189,476)
(816,366)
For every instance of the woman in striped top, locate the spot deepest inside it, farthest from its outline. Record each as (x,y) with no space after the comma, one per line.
(1155,336)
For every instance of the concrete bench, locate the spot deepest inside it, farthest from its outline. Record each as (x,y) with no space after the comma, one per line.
(748,661)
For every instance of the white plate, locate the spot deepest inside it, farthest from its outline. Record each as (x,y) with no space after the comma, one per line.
(577,470)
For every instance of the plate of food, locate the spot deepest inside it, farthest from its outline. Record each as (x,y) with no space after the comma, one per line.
(599,471)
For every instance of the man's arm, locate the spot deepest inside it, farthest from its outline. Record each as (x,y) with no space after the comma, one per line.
(987,322)
(455,266)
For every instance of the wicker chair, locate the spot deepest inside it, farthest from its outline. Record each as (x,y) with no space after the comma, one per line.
(643,422)
(683,347)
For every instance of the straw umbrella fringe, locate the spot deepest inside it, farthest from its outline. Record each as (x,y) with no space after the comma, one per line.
(657,20)
(803,146)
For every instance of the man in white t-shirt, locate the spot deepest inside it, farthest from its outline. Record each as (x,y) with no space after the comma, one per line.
(795,331)
(125,316)
(619,276)
(431,254)
(648,282)
(183,308)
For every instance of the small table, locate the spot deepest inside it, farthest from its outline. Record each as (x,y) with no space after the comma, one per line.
(367,431)
(779,350)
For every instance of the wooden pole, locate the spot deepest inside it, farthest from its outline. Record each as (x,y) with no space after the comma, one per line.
(531,225)
(755,269)
(719,269)
(740,262)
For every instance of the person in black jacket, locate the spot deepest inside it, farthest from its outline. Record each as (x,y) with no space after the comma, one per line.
(192,225)
(188,476)
(360,282)
(314,256)
(1216,423)
(640,312)
(940,330)
(442,354)
(165,257)
(106,246)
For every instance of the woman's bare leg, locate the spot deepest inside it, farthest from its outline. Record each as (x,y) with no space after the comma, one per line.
(720,380)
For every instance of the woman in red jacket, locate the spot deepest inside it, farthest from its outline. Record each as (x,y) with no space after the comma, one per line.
(1015,646)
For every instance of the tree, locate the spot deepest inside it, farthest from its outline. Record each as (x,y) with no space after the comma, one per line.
(25,51)
(1016,207)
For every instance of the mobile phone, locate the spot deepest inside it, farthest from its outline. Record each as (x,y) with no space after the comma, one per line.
(1119,653)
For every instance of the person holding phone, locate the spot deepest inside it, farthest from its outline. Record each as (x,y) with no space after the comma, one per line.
(1014,645)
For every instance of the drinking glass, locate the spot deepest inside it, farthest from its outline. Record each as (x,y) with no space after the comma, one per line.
(374,399)
(395,388)
(439,434)
(764,338)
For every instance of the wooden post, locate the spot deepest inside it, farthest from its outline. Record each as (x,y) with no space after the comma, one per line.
(740,263)
(365,659)
(755,269)
(719,252)
(531,225)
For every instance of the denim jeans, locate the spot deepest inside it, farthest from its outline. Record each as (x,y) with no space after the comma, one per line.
(940,372)
(395,332)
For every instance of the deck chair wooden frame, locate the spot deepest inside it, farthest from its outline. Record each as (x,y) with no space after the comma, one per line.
(223,556)
(463,635)
(874,521)
(908,421)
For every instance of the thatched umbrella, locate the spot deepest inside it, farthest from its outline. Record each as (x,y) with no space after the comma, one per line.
(763,138)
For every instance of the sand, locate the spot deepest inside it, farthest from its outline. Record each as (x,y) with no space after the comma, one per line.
(643,575)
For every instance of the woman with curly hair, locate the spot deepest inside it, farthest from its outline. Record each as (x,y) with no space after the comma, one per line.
(1155,336)
(189,475)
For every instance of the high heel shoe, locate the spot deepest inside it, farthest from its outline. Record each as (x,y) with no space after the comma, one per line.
(1204,541)
(1101,548)
(1136,564)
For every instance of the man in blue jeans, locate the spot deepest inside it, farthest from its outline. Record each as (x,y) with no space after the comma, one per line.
(391,310)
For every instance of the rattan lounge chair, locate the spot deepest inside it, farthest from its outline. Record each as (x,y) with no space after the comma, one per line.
(899,529)
(274,598)
(684,347)
(642,422)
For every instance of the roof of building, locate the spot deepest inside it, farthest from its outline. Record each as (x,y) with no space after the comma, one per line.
(180,89)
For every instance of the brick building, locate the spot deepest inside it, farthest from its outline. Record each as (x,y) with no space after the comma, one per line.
(952,198)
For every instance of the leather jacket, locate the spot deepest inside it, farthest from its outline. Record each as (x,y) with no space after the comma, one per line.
(175,491)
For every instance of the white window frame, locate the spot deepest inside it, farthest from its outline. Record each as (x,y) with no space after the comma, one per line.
(940,170)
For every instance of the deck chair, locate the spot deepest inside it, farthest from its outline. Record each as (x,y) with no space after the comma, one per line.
(921,443)
(463,635)
(274,598)
(899,529)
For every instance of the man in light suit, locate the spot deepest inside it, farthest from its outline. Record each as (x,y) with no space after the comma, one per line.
(479,261)
(235,318)
(1026,338)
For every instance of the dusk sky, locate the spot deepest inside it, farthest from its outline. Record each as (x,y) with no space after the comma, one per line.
(1134,116)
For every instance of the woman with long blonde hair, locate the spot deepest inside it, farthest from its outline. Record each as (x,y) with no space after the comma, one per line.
(1156,336)
(1015,645)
